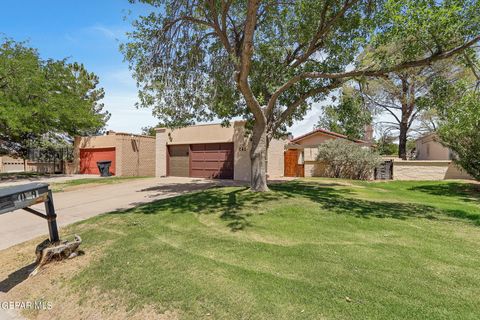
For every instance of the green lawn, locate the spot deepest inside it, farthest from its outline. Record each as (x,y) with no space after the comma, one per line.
(63,186)
(311,249)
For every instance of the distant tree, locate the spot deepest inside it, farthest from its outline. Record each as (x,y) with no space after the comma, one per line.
(269,61)
(149,131)
(349,117)
(44,99)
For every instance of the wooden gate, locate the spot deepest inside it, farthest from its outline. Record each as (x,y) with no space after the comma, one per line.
(291,166)
(384,171)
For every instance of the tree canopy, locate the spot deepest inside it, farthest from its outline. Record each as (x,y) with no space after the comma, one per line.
(44,99)
(459,130)
(349,117)
(270,61)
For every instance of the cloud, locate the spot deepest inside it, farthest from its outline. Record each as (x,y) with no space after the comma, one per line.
(110,32)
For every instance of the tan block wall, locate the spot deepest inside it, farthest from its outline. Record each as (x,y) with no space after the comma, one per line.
(427,170)
(161,153)
(135,155)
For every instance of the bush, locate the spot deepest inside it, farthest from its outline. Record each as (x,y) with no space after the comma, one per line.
(345,159)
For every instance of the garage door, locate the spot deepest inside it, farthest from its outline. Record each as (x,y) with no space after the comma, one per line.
(213,160)
(178,163)
(89,158)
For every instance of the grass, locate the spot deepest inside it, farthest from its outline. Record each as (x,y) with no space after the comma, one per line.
(64,186)
(310,249)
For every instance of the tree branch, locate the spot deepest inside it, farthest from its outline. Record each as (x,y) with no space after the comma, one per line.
(369,73)
(322,30)
(300,100)
(379,72)
(246,62)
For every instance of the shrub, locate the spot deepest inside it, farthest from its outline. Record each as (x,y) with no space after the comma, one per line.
(460,130)
(345,159)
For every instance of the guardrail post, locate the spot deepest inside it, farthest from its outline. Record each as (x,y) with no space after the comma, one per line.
(51,218)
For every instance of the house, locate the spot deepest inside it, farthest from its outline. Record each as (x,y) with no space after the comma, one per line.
(10,164)
(212,151)
(131,155)
(429,147)
(301,153)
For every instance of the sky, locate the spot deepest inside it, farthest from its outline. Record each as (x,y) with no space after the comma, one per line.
(90,32)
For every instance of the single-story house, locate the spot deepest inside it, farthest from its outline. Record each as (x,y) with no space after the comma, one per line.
(131,155)
(301,153)
(212,151)
(429,147)
(9,164)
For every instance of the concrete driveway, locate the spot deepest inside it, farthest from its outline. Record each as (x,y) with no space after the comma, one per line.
(71,206)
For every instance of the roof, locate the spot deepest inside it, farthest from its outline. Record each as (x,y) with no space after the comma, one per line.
(330,133)
(426,136)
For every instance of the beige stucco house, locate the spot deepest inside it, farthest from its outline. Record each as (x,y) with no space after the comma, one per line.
(429,147)
(301,154)
(212,151)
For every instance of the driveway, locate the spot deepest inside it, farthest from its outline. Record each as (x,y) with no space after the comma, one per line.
(76,205)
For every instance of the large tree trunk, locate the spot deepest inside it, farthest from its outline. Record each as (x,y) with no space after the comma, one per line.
(402,141)
(258,156)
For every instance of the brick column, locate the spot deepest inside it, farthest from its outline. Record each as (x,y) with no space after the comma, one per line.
(161,152)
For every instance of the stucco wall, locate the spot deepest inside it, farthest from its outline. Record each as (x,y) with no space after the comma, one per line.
(428,148)
(215,133)
(427,170)
(315,139)
(314,169)
(208,133)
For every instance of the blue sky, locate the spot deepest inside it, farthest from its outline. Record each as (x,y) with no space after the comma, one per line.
(89,32)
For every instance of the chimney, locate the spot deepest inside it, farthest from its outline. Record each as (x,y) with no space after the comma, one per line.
(368,133)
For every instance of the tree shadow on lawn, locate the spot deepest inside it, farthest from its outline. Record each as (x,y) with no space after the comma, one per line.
(236,205)
(468,192)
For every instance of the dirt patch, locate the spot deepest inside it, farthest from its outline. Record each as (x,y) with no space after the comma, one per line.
(52,286)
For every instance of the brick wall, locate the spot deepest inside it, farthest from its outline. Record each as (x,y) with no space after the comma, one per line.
(135,155)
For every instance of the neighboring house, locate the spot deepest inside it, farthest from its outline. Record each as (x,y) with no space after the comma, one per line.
(131,155)
(301,153)
(429,147)
(10,164)
(212,151)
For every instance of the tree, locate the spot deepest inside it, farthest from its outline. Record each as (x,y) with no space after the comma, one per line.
(349,117)
(459,130)
(269,61)
(44,99)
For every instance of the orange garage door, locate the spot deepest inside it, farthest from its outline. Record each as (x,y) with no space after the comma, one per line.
(89,158)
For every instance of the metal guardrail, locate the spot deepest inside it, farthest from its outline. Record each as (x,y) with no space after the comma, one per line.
(24,196)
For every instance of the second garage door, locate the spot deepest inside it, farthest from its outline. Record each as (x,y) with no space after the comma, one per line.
(212,160)
(89,158)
